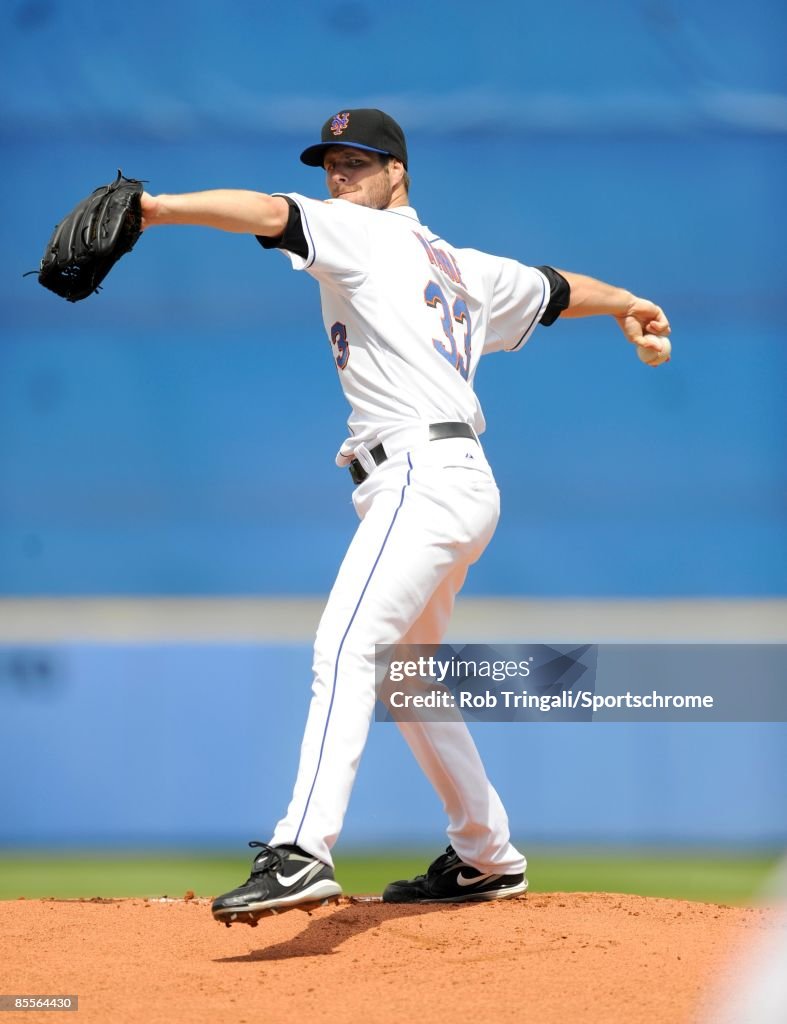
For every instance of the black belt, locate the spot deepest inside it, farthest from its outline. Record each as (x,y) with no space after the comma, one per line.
(437,432)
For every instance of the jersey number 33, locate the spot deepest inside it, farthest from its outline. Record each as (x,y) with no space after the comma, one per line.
(450,313)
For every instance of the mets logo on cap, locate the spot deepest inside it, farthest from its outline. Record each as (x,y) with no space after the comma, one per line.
(340,122)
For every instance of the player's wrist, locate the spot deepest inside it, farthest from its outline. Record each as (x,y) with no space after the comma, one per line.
(151,209)
(624,303)
(165,209)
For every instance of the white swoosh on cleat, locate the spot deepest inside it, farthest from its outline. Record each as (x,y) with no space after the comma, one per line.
(461,880)
(288,880)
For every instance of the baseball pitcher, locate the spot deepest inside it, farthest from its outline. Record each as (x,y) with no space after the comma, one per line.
(408,316)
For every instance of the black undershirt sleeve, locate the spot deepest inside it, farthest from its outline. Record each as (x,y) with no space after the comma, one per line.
(292,238)
(559,295)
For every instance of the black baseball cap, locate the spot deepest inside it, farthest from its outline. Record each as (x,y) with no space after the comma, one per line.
(365,129)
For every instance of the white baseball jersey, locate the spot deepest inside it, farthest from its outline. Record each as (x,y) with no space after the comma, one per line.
(409,315)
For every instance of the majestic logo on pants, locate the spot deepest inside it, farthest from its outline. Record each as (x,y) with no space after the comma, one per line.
(339,123)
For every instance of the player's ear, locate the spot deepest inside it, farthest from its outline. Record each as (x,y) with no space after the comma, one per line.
(396,170)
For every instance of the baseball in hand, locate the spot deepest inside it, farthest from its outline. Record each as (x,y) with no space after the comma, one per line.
(657,355)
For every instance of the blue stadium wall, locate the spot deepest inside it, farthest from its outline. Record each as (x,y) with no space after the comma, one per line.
(176,433)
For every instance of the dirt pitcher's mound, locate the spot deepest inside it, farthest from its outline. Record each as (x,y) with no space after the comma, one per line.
(582,958)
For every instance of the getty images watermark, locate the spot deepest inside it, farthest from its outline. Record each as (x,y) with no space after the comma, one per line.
(582,682)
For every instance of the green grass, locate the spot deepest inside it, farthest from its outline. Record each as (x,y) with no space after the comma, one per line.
(708,876)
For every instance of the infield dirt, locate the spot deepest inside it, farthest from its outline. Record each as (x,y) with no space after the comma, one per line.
(581,958)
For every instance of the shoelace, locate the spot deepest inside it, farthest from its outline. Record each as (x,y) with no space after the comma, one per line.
(269,860)
(445,860)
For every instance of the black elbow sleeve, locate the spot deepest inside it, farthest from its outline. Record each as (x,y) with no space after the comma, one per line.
(293,238)
(559,295)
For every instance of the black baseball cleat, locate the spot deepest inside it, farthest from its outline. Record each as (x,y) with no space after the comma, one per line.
(282,878)
(450,880)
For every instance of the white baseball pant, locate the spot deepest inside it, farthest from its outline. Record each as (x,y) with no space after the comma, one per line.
(426,515)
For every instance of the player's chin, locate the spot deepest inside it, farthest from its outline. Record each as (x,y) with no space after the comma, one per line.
(359,198)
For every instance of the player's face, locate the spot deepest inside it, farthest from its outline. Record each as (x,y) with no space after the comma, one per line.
(358,176)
